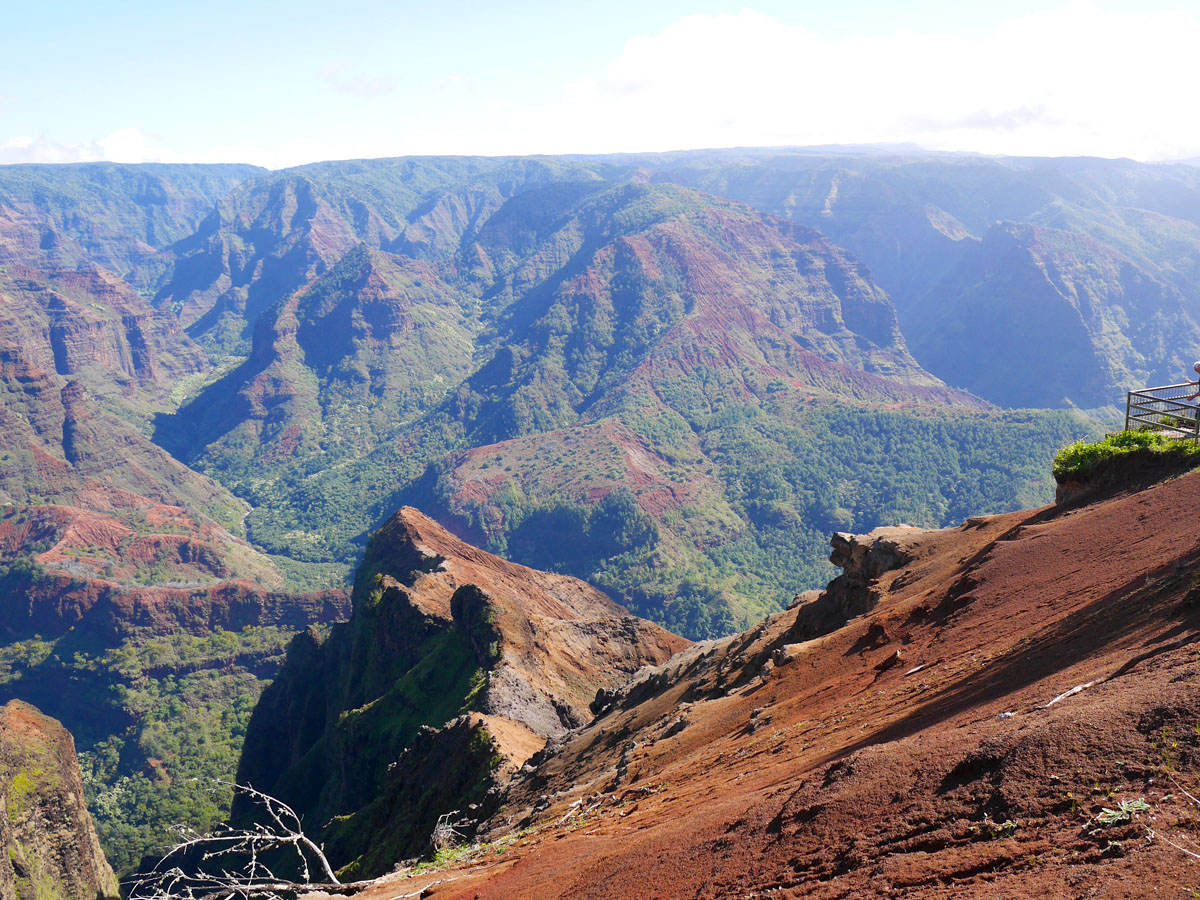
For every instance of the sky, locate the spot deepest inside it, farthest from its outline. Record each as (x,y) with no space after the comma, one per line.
(279,84)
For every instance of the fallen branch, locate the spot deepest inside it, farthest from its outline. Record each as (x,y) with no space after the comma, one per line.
(1071,693)
(237,856)
(420,893)
(292,889)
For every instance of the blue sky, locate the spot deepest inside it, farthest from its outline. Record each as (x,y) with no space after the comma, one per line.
(284,83)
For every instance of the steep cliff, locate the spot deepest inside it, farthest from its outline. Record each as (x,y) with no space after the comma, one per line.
(106,213)
(447,647)
(508,344)
(90,324)
(48,847)
(1026,281)
(374,341)
(1010,711)
(1034,316)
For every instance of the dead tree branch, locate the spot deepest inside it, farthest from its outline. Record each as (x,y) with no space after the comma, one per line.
(231,863)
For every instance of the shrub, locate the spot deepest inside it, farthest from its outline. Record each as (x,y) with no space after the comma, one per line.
(1083,457)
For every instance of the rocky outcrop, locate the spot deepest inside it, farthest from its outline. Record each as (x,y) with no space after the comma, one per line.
(457,767)
(92,325)
(50,605)
(439,630)
(48,846)
(863,559)
(1010,713)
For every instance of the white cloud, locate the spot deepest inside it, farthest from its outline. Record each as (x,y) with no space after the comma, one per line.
(1072,80)
(129,145)
(123,145)
(449,82)
(343,78)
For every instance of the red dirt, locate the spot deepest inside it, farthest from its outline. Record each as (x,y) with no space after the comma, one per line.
(106,498)
(88,543)
(56,603)
(623,460)
(961,768)
(562,636)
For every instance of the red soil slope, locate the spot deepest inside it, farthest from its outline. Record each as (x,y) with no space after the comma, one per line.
(124,561)
(140,542)
(1019,674)
(599,458)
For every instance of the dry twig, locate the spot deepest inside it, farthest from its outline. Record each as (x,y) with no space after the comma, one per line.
(230,862)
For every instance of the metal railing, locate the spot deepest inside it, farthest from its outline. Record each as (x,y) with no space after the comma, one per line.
(1164,409)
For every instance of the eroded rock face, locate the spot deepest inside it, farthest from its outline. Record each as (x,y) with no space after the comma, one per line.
(440,630)
(1120,473)
(48,846)
(91,324)
(863,558)
(449,768)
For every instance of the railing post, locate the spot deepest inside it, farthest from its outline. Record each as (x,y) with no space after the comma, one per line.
(1164,409)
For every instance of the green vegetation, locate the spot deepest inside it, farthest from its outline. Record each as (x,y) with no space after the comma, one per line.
(1084,299)
(397,819)
(747,456)
(788,475)
(377,688)
(23,785)
(30,780)
(156,719)
(994,830)
(112,211)
(436,689)
(1083,457)
(796,478)
(1124,812)
(724,355)
(397,814)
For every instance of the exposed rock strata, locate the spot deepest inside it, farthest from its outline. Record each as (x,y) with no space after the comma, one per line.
(440,629)
(48,846)
(92,324)
(863,559)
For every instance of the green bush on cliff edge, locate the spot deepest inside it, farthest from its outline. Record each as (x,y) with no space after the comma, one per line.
(1082,457)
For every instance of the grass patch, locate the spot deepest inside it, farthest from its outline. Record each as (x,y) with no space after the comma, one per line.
(432,693)
(302,576)
(1083,457)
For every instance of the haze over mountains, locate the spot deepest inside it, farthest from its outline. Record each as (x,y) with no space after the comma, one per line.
(517,254)
(668,375)
(931,229)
